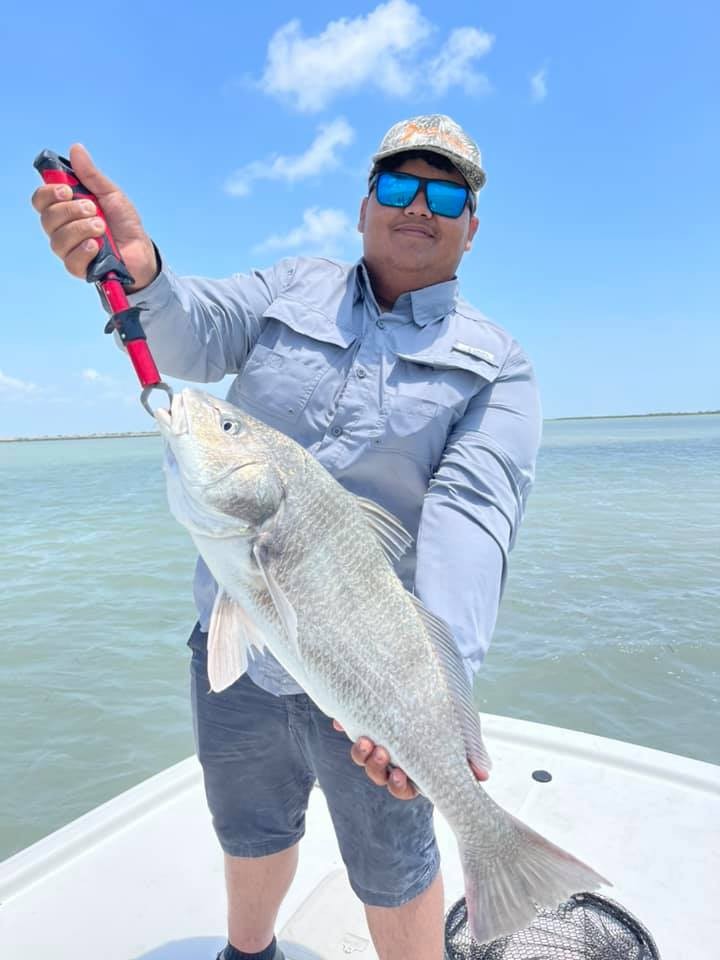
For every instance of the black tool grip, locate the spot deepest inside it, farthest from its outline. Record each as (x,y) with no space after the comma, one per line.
(107,264)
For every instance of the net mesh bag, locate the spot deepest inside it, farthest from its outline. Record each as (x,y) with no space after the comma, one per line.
(585,927)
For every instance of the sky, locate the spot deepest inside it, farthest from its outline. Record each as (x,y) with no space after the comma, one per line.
(243,133)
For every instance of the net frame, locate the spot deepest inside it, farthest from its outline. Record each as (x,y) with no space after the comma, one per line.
(582,919)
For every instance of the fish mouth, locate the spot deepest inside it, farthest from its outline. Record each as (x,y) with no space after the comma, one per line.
(173,422)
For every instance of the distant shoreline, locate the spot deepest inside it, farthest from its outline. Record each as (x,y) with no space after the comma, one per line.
(156,433)
(83,436)
(641,416)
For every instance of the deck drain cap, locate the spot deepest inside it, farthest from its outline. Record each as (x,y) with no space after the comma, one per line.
(542,776)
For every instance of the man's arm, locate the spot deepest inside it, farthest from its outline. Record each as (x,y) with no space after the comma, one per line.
(201,329)
(469,522)
(198,329)
(475,504)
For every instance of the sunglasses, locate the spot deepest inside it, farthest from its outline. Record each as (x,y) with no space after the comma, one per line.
(444,197)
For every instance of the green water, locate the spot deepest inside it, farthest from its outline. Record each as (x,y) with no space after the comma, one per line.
(610,623)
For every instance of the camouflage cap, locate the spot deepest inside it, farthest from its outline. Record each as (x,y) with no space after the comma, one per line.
(438,134)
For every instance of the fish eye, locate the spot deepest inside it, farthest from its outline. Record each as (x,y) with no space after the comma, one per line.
(230,426)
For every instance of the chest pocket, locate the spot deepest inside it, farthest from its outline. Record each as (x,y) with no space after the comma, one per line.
(427,394)
(298,347)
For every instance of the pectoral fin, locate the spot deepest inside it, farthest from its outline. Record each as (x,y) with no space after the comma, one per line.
(231,634)
(283,607)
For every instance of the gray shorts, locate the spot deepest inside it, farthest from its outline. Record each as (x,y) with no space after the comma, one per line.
(261,755)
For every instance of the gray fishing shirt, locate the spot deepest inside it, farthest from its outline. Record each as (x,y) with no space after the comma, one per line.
(428,409)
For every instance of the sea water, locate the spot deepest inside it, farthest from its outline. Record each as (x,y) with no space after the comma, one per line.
(610,622)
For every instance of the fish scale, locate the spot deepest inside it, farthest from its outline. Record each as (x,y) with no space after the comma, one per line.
(336,616)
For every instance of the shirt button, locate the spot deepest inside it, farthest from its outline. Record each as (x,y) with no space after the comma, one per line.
(380,323)
(336,431)
(361,373)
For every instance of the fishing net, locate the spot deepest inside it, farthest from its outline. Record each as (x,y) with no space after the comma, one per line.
(585,927)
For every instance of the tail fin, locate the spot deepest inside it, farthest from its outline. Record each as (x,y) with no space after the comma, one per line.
(503,896)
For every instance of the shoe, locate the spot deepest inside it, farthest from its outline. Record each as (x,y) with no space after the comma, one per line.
(278,955)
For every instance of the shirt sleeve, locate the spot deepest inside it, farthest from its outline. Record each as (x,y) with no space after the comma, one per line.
(474,506)
(201,329)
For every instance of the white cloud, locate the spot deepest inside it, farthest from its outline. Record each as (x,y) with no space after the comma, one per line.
(376,50)
(27,394)
(320,155)
(538,85)
(13,385)
(321,232)
(92,376)
(123,390)
(115,391)
(451,67)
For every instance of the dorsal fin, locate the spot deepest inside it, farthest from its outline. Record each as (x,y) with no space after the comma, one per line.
(452,663)
(393,537)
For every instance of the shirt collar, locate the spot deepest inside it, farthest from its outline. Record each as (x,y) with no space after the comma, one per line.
(421,306)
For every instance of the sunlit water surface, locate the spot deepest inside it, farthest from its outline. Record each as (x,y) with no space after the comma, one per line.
(610,622)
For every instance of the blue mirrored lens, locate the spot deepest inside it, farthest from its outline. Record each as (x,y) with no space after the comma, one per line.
(447,199)
(395,191)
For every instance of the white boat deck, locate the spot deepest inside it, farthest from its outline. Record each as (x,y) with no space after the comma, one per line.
(141,876)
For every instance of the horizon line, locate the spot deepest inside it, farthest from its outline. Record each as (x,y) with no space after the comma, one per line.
(124,434)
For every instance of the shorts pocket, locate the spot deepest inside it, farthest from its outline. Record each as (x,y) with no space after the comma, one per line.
(197,641)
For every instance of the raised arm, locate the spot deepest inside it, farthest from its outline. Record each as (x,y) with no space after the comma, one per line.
(198,329)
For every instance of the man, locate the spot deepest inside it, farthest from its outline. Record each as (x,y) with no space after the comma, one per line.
(409,397)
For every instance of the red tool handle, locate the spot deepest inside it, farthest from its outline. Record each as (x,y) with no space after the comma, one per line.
(107,264)
(108,271)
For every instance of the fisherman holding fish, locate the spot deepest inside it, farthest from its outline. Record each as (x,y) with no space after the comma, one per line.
(412,400)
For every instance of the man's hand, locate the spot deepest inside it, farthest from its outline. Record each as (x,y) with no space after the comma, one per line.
(376,761)
(74,229)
